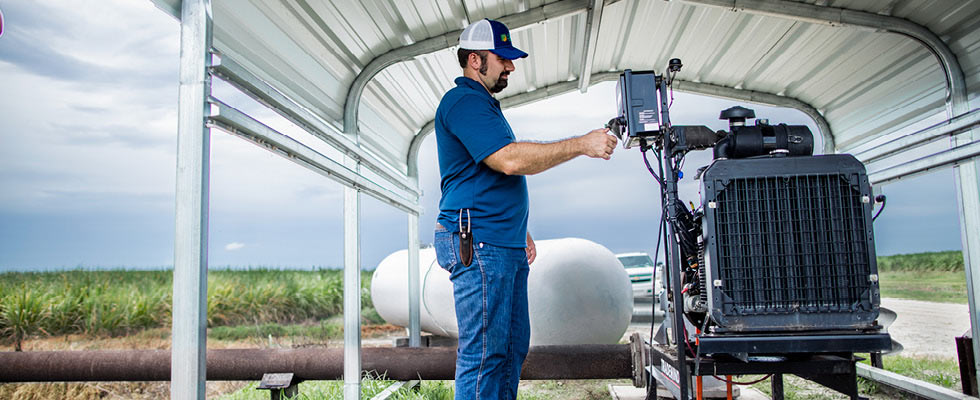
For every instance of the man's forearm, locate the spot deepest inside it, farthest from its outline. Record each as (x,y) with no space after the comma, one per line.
(529,158)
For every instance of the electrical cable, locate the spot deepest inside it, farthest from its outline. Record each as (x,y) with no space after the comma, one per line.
(654,280)
(688,341)
(741,383)
(649,168)
(661,234)
(880,199)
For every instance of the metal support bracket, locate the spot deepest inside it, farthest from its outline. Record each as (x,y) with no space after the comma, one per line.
(592,38)
(280,386)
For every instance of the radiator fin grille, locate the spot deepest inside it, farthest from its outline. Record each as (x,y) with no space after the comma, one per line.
(793,244)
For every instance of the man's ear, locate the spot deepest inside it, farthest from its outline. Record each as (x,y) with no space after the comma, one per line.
(474,61)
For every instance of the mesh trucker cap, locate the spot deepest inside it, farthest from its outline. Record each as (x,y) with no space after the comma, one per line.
(487,34)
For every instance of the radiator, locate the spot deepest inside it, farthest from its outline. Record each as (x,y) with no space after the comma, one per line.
(789,244)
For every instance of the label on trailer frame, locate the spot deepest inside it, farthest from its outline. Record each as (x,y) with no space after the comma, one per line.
(668,376)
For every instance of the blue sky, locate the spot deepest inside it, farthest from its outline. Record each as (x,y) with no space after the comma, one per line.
(87,154)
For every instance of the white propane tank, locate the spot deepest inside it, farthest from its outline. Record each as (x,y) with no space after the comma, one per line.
(578,293)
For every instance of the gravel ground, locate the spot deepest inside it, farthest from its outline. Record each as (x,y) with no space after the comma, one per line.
(925,329)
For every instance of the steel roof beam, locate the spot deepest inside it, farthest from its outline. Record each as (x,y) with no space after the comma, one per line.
(961,154)
(232,72)
(907,142)
(558,9)
(238,123)
(956,91)
(588,50)
(679,85)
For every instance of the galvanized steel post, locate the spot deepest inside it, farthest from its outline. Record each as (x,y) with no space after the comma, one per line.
(191,242)
(352,289)
(414,292)
(968,198)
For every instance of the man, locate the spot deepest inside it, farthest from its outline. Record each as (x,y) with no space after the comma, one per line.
(481,236)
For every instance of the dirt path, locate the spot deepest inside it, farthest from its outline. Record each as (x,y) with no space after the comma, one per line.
(927,329)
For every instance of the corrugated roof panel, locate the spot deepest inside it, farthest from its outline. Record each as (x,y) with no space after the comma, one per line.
(555,53)
(864,82)
(855,75)
(254,40)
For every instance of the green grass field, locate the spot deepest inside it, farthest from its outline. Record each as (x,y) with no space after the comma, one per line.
(112,303)
(948,261)
(934,276)
(937,286)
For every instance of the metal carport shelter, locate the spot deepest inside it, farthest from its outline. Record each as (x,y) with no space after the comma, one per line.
(366,77)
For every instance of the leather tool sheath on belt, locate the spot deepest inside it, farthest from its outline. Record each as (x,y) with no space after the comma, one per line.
(465,239)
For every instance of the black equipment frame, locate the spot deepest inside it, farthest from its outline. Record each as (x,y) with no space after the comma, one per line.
(821,358)
(836,371)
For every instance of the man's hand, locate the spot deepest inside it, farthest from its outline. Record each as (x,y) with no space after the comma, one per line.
(598,144)
(532,253)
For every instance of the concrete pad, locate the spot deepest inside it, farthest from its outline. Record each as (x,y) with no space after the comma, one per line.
(634,393)
(627,392)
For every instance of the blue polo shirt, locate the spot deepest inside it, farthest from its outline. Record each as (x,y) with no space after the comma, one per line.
(469,127)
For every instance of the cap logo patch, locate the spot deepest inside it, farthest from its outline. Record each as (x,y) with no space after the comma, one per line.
(503,37)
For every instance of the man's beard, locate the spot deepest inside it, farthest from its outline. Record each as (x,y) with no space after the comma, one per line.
(500,85)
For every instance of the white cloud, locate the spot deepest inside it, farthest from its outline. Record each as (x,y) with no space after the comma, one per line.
(234,246)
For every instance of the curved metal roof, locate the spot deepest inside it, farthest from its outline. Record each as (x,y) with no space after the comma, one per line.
(864,82)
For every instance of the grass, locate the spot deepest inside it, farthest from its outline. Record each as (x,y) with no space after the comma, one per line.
(942,372)
(947,261)
(432,390)
(934,276)
(937,286)
(318,390)
(310,390)
(325,330)
(114,303)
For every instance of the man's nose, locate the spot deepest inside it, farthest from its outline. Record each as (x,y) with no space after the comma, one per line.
(508,65)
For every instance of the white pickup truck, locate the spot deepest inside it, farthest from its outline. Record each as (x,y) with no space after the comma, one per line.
(645,276)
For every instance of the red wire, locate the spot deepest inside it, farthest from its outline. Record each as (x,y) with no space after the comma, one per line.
(742,383)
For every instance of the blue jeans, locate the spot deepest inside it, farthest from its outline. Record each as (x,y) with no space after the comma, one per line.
(491,313)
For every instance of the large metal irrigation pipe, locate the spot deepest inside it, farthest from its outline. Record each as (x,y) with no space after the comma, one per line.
(610,361)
